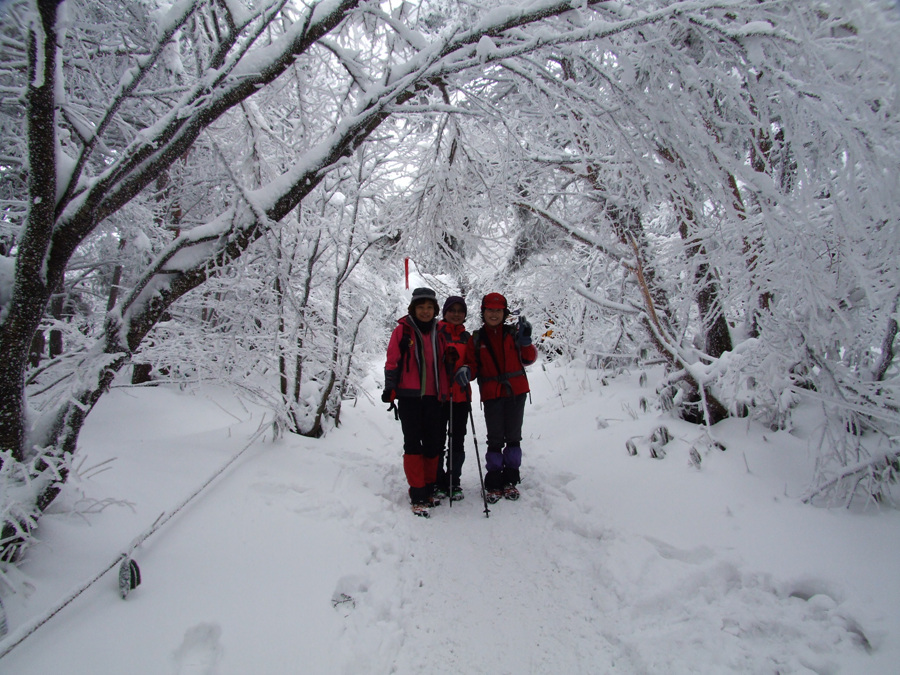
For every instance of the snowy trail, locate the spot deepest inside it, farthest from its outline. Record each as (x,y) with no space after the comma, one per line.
(460,587)
(305,558)
(542,586)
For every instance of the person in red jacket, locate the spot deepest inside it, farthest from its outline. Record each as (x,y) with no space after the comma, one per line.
(416,375)
(497,355)
(456,411)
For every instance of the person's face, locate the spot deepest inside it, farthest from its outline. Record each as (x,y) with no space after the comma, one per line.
(493,317)
(424,311)
(455,314)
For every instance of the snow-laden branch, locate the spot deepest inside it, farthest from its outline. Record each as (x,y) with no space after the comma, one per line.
(873,475)
(617,307)
(413,38)
(176,18)
(160,144)
(691,370)
(579,235)
(224,238)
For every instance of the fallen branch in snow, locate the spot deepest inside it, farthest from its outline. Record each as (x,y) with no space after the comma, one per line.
(876,473)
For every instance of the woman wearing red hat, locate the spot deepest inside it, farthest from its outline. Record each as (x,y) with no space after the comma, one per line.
(415,374)
(497,355)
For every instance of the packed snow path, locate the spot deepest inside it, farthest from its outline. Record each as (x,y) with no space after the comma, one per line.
(304,557)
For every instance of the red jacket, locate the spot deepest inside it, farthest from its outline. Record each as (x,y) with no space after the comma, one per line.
(457,338)
(408,355)
(498,363)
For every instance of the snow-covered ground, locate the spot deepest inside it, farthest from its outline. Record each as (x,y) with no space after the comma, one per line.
(303,556)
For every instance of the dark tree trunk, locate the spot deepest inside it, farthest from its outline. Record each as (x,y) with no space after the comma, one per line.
(36,271)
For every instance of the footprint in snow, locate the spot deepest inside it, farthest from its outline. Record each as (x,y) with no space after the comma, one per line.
(347,592)
(200,650)
(693,556)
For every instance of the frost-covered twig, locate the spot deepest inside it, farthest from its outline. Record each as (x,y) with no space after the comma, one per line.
(878,472)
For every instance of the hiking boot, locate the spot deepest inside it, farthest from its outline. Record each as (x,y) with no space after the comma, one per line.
(511,492)
(421,510)
(456,494)
(493,496)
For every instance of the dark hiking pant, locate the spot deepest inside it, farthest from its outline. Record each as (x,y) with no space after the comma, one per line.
(458,439)
(424,433)
(503,418)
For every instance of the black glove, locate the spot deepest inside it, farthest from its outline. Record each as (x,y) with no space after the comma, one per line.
(462,377)
(523,335)
(387,396)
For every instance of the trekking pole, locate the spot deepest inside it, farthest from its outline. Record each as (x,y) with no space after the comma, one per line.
(487,511)
(450,454)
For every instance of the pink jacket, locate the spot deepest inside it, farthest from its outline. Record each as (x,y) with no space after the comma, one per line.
(410,354)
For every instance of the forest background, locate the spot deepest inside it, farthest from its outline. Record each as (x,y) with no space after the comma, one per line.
(227,191)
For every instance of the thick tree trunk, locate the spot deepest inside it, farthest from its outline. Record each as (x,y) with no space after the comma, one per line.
(35,271)
(717,336)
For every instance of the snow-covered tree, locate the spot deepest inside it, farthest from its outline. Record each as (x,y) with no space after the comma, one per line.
(724,187)
(110,106)
(164,167)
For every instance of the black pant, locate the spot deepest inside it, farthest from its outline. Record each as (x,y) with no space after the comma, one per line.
(458,432)
(503,418)
(422,422)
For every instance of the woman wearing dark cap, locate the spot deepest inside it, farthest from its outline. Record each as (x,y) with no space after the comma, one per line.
(415,374)
(456,410)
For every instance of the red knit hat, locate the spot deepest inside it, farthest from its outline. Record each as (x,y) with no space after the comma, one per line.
(493,301)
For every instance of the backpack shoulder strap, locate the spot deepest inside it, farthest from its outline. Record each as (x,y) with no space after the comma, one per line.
(501,377)
(490,350)
(405,340)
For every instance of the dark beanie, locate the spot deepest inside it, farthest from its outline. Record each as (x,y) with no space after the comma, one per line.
(423,294)
(454,300)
